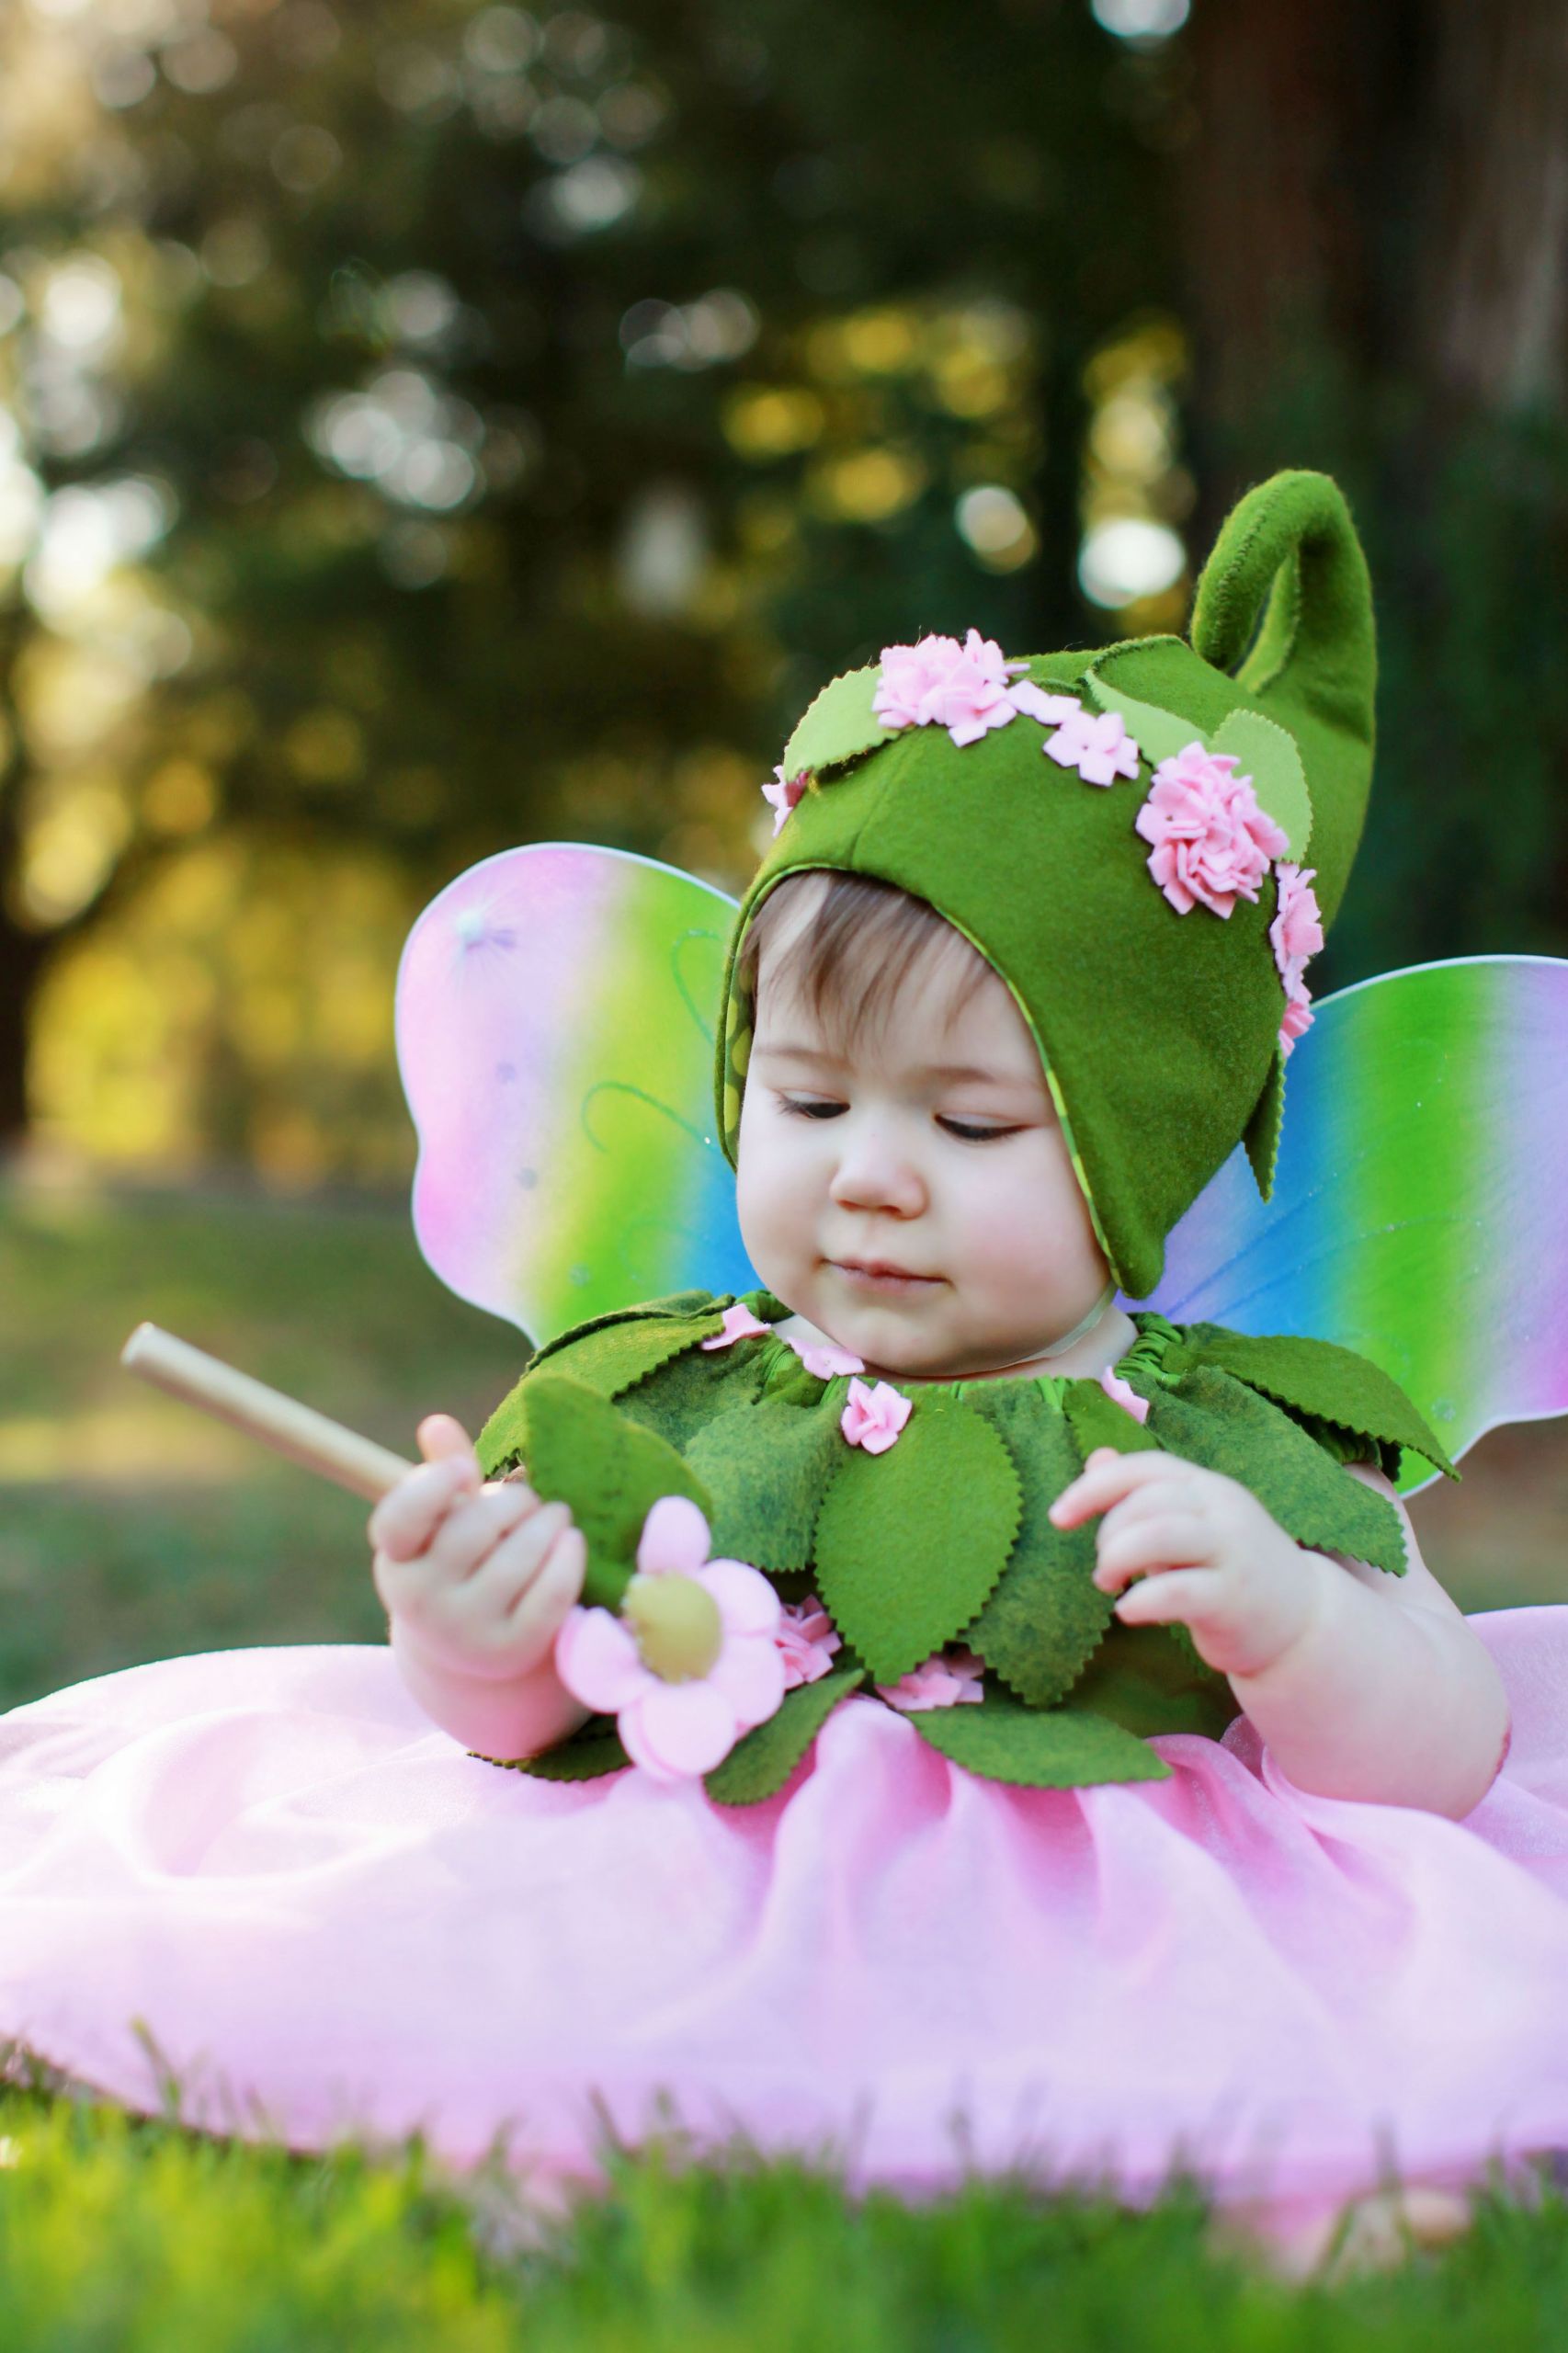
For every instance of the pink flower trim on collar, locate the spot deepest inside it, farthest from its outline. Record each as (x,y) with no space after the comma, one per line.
(1121,1392)
(738,1324)
(677,1731)
(1296,936)
(966,689)
(830,1361)
(1095,743)
(873,1417)
(784,793)
(807,1640)
(948,1680)
(1212,843)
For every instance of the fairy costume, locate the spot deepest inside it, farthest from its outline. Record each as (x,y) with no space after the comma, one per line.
(1073,1946)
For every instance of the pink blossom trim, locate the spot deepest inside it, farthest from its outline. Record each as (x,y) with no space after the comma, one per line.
(784,793)
(1296,935)
(807,1641)
(828,1362)
(873,1417)
(1095,743)
(739,1324)
(1212,843)
(948,1680)
(677,1731)
(1121,1392)
(967,688)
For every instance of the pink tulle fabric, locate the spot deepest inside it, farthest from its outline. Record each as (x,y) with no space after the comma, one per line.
(326,1916)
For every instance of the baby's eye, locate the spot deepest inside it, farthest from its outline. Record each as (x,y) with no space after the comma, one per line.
(976,1131)
(811,1107)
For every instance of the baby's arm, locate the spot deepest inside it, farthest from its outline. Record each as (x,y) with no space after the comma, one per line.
(477,1582)
(1361,1685)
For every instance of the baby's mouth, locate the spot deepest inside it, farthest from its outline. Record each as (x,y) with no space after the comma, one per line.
(881,1278)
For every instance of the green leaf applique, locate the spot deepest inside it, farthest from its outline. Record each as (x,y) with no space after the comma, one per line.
(1038,1748)
(1326,1383)
(581,1451)
(1267,753)
(766,1469)
(586,1757)
(910,1543)
(758,1765)
(838,725)
(1046,1617)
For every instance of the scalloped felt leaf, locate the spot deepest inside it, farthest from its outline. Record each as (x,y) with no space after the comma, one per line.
(765,1470)
(1038,1748)
(838,725)
(1267,753)
(910,1543)
(1213,1419)
(1046,1617)
(579,1450)
(1261,1138)
(588,1755)
(1325,1382)
(555,1011)
(1096,1419)
(619,1355)
(759,1764)
(1159,734)
(1147,1679)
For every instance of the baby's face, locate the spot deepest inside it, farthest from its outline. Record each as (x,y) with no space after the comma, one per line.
(910,1192)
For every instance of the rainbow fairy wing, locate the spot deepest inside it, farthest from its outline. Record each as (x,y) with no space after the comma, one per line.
(1418,1210)
(555,1012)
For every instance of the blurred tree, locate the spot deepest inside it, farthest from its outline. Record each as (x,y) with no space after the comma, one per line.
(451,424)
(1388,301)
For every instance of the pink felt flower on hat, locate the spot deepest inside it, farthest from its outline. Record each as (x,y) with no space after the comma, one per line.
(1296,935)
(807,1641)
(948,1680)
(675,1729)
(937,682)
(1095,743)
(784,793)
(738,1323)
(1212,843)
(829,1362)
(1121,1392)
(873,1417)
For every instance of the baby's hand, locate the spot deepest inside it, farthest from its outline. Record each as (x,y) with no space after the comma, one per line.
(1204,1550)
(482,1577)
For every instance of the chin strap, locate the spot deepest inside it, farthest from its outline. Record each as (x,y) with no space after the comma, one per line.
(1086,1324)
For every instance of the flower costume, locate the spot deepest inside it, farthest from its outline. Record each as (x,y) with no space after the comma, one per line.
(1042,1892)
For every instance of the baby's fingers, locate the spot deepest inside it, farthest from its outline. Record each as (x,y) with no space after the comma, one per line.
(1144,1548)
(404,1521)
(1186,1595)
(1104,1480)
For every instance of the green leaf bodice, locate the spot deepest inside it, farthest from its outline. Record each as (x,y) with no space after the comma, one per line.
(945,1536)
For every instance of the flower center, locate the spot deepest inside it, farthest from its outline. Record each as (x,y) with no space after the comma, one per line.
(678,1629)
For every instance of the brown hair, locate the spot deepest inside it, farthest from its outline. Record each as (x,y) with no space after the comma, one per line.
(861,943)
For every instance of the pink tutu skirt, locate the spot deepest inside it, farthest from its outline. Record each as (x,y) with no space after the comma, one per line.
(264,1875)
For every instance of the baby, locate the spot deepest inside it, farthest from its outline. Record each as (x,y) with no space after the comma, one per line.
(906,1188)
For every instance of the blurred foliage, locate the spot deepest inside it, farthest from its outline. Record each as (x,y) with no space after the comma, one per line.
(433,427)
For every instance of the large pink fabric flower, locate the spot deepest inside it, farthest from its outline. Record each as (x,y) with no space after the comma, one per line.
(944,1681)
(738,1324)
(784,793)
(966,689)
(1211,842)
(1095,743)
(1296,935)
(873,1417)
(676,1731)
(807,1640)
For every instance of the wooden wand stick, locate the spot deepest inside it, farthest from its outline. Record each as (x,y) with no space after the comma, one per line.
(291,1428)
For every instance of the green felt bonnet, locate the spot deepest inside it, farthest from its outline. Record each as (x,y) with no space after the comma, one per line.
(1159,1030)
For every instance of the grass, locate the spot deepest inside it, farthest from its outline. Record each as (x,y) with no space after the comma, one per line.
(131,1528)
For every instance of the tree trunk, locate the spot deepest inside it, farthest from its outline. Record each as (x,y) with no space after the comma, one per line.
(22,958)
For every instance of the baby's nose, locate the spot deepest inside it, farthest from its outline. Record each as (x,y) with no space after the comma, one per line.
(874,1174)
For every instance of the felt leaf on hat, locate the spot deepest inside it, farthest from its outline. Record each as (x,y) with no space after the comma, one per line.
(765,1470)
(759,1764)
(909,1543)
(1056,1748)
(594,1751)
(1047,1616)
(1265,1126)
(578,1450)
(1159,734)
(838,726)
(1268,753)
